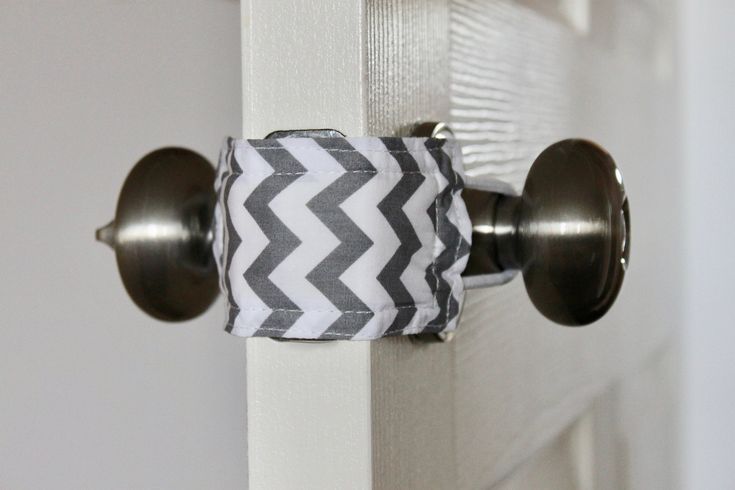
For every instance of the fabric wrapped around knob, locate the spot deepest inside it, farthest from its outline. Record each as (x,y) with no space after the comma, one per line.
(341,238)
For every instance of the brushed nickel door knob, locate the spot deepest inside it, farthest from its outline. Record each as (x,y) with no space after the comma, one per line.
(568,232)
(162,234)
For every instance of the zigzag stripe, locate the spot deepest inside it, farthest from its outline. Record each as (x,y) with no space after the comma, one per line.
(232,237)
(361,190)
(455,245)
(353,241)
(392,208)
(282,241)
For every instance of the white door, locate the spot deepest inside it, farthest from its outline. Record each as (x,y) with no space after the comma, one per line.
(513,400)
(94,394)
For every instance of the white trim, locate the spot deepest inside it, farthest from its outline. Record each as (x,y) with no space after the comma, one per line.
(309,404)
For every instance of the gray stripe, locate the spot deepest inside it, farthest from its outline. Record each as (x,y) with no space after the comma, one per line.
(327,206)
(353,242)
(347,325)
(230,145)
(430,274)
(277,323)
(281,240)
(231,239)
(232,313)
(455,245)
(392,208)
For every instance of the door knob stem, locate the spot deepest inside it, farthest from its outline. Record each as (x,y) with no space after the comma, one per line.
(505,228)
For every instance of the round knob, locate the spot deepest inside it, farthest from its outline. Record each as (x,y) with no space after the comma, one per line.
(162,234)
(568,232)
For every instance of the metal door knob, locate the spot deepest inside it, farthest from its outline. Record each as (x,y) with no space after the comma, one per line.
(162,234)
(568,232)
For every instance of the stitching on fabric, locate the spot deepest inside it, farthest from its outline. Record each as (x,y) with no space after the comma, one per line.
(222,199)
(436,241)
(323,150)
(456,256)
(322,172)
(456,197)
(362,312)
(278,330)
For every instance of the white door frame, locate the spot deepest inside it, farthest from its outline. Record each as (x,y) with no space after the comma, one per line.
(309,404)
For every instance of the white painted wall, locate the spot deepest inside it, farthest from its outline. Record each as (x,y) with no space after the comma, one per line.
(708,42)
(93,393)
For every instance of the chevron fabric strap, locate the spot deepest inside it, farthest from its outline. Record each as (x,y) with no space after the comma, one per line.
(341,238)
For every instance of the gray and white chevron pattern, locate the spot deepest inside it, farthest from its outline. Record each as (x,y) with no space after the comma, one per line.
(341,238)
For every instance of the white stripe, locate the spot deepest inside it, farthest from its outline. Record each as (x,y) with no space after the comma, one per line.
(457,212)
(376,327)
(252,309)
(417,211)
(312,324)
(362,208)
(316,239)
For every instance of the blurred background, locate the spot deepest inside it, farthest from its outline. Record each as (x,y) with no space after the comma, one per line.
(708,341)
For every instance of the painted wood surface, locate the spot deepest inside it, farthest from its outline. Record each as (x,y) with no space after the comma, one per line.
(519,80)
(308,418)
(511,80)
